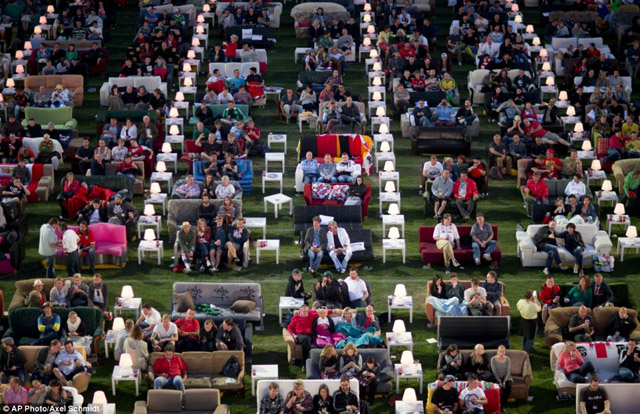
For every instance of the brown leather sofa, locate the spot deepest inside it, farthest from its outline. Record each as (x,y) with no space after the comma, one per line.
(75,83)
(194,401)
(80,381)
(24,287)
(431,313)
(559,321)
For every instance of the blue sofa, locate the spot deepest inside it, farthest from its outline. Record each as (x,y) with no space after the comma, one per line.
(244,166)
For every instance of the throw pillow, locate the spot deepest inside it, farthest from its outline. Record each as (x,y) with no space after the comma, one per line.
(339,192)
(183,301)
(243,306)
(192,382)
(324,220)
(320,191)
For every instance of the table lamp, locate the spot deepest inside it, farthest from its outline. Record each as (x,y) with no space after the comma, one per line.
(586,146)
(550,81)
(186,67)
(367,7)
(200,18)
(19,55)
(546,67)
(377,81)
(149,234)
(389,166)
(371,29)
(394,233)
(515,8)
(373,53)
(19,69)
(377,96)
(606,186)
(174,129)
(399,330)
(27,45)
(155,188)
(99,397)
(409,396)
(149,210)
(518,19)
(173,113)
(126,365)
(595,165)
(380,111)
(187,82)
(206,8)
(400,292)
(619,211)
(166,147)
(42,20)
(384,129)
(366,18)
(195,42)
(377,67)
(161,167)
(571,110)
(118,323)
(51,9)
(543,54)
(632,233)
(11,83)
(126,293)
(563,96)
(406,362)
(529,28)
(536,41)
(578,128)
(200,29)
(366,42)
(191,54)
(394,209)
(390,187)
(37,30)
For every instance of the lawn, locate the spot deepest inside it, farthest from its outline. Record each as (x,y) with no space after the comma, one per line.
(153,283)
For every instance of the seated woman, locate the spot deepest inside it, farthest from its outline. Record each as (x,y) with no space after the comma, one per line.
(207,338)
(581,294)
(77,331)
(227,210)
(68,190)
(135,346)
(322,401)
(575,368)
(501,369)
(56,396)
(225,188)
(369,379)
(588,211)
(452,363)
(230,168)
(298,401)
(203,237)
(350,361)
(441,300)
(478,364)
(209,186)
(324,330)
(356,192)
(328,363)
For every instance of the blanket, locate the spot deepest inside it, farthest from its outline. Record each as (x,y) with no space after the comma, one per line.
(367,339)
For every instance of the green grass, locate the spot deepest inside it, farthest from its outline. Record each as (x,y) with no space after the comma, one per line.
(153,283)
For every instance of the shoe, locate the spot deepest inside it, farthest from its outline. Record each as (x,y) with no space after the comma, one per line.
(563,266)
(575,269)
(581,273)
(448,270)
(486,257)
(459,63)
(343,271)
(312,271)
(187,270)
(455,263)
(213,269)
(238,267)
(201,269)
(477,262)
(493,265)
(208,263)
(545,271)
(172,265)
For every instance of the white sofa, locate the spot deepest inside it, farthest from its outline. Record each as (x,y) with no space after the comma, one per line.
(274,12)
(310,386)
(479,77)
(300,176)
(226,69)
(149,82)
(560,44)
(622,397)
(597,242)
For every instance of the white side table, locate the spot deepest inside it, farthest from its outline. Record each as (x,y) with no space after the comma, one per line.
(273,157)
(170,157)
(410,408)
(149,221)
(163,177)
(266,244)
(288,303)
(596,176)
(614,219)
(394,244)
(158,199)
(587,155)
(133,304)
(312,121)
(182,105)
(262,372)
(390,198)
(626,243)
(394,303)
(380,138)
(117,376)
(278,200)
(372,105)
(175,139)
(384,157)
(271,176)
(109,340)
(384,176)
(257,222)
(153,246)
(389,220)
(607,197)
(398,340)
(277,139)
(416,373)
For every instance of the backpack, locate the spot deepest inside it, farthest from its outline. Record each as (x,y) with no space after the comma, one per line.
(231,368)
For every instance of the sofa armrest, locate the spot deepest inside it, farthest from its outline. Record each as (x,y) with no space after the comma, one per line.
(506,307)
(313,370)
(172,228)
(81,381)
(552,332)
(140,407)
(386,374)
(291,344)
(220,409)
(616,170)
(71,124)
(602,244)
(527,246)
(104,94)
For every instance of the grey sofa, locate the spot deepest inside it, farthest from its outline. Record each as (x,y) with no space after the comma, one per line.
(187,210)
(176,196)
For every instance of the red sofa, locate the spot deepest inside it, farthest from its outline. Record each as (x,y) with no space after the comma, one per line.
(317,202)
(357,146)
(111,245)
(430,254)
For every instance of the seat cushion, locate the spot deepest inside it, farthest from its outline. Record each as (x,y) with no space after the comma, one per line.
(110,249)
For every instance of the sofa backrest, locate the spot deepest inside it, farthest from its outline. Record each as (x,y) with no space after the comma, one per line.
(602,315)
(305,214)
(478,76)
(588,231)
(622,397)
(164,401)
(187,10)
(465,283)
(332,144)
(112,167)
(23,321)
(109,233)
(31,352)
(557,187)
(482,329)
(563,315)
(102,117)
(605,356)
(380,354)
(71,82)
(113,182)
(519,359)
(311,386)
(203,363)
(187,210)
(628,165)
(426,233)
(204,400)
(219,294)
(45,115)
(25,286)
(199,363)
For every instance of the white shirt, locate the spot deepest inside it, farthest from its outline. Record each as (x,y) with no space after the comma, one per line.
(577,189)
(343,237)
(470,293)
(342,167)
(70,241)
(225,191)
(357,288)
(162,333)
(153,319)
(466,395)
(449,232)
(128,133)
(489,49)
(432,169)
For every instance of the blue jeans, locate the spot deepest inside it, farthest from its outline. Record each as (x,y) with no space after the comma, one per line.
(51,263)
(315,258)
(328,180)
(310,178)
(626,375)
(487,250)
(91,252)
(162,382)
(577,253)
(578,376)
(448,307)
(203,250)
(358,303)
(345,179)
(6,374)
(552,254)
(612,155)
(423,121)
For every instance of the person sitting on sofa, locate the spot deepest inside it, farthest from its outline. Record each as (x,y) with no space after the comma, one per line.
(356,192)
(538,189)
(629,364)
(164,334)
(135,346)
(229,338)
(186,241)
(452,363)
(170,370)
(550,297)
(78,294)
(339,243)
(501,369)
(327,170)
(447,300)
(446,234)
(472,398)
(148,320)
(574,245)
(58,293)
(36,298)
(15,396)
(207,337)
(430,171)
(48,325)
(345,401)
(581,294)
(69,362)
(441,191)
(368,320)
(315,243)
(12,361)
(189,189)
(237,236)
(478,364)
(482,236)
(301,328)
(445,398)
(545,241)
(581,326)
(494,293)
(328,292)
(272,403)
(357,289)
(44,365)
(602,294)
(188,332)
(122,212)
(593,399)
(309,167)
(76,331)
(620,326)
(345,169)
(295,286)
(575,187)
(324,330)
(465,192)
(298,400)
(476,298)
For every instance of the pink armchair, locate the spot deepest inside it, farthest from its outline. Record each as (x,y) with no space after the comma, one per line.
(111,245)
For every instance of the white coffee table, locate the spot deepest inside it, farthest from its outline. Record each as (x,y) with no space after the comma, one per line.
(257,223)
(262,372)
(614,219)
(393,303)
(158,199)
(265,245)
(149,221)
(398,340)
(394,244)
(273,157)
(278,200)
(384,157)
(277,139)
(389,220)
(109,340)
(607,197)
(390,198)
(415,373)
(117,376)
(151,246)
(288,303)
(170,157)
(162,177)
(271,176)
(626,243)
(133,304)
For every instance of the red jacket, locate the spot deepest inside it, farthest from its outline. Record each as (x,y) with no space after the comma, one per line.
(548,294)
(539,189)
(302,325)
(472,189)
(172,368)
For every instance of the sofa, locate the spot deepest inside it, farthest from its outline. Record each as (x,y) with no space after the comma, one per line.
(217,110)
(205,370)
(357,146)
(42,180)
(275,10)
(223,296)
(194,401)
(311,201)
(303,12)
(440,140)
(74,83)
(621,169)
(346,129)
(310,385)
(175,196)
(477,79)
(79,383)
(180,211)
(430,254)
(348,217)
(245,167)
(111,247)
(431,314)
(467,331)
(385,385)
(556,328)
(138,183)
(520,369)
(149,82)
(16,252)
(408,125)
(597,241)
(622,397)
(491,391)
(227,69)
(61,117)
(556,189)
(187,10)
(25,286)
(117,183)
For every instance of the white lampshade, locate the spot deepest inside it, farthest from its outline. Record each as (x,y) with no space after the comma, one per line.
(406,359)
(99,397)
(371,29)
(550,81)
(536,41)
(51,9)
(595,165)
(199,29)
(546,67)
(399,327)
(394,233)
(385,147)
(518,19)
(191,54)
(606,185)
(380,111)
(367,7)
(155,188)
(206,9)
(27,45)
(43,20)
(200,18)
(377,96)
(173,113)
(543,53)
(377,81)
(161,166)
(166,147)
(179,96)
(515,8)
(578,127)
(19,69)
(586,145)
(571,111)
(188,82)
(37,30)
(174,129)
(118,323)
(619,209)
(389,166)
(126,292)
(195,42)
(125,361)
(563,96)
(400,291)
(390,187)
(384,129)
(366,42)
(149,210)
(366,18)
(632,232)
(377,67)
(186,67)
(529,28)
(11,83)
(394,209)
(373,54)
(409,396)
(19,54)
(149,234)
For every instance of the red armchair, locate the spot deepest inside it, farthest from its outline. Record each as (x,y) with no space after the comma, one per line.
(325,202)
(430,254)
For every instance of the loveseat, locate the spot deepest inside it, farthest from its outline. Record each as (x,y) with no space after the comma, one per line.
(194,401)
(111,247)
(467,331)
(180,211)
(42,180)
(275,10)
(621,169)
(430,254)
(245,167)
(149,82)
(597,242)
(622,397)
(62,117)
(311,386)
(556,329)
(385,375)
(80,382)
(440,140)
(205,370)
(556,189)
(175,196)
(217,110)
(74,83)
(491,391)
(341,128)
(25,286)
(348,217)
(431,314)
(321,198)
(302,14)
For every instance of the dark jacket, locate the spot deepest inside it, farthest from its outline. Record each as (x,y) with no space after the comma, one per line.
(308,238)
(331,294)
(105,294)
(86,213)
(624,326)
(12,359)
(601,295)
(494,291)
(342,400)
(542,237)
(122,216)
(571,241)
(233,339)
(40,363)
(361,320)
(295,289)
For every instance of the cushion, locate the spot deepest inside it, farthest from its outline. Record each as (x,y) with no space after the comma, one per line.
(324,220)
(200,400)
(320,191)
(183,301)
(192,382)
(243,306)
(339,192)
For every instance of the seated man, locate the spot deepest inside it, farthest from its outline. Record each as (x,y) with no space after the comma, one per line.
(315,244)
(186,245)
(12,361)
(188,332)
(129,168)
(164,334)
(545,241)
(441,191)
(537,188)
(472,398)
(122,212)
(594,399)
(289,104)
(357,288)
(445,397)
(602,294)
(422,114)
(571,166)
(350,115)
(534,129)
(476,298)
(69,362)
(48,325)
(574,245)
(499,155)
(231,114)
(345,401)
(576,188)
(620,326)
(229,338)
(338,243)
(629,364)
(345,169)
(430,171)
(309,167)
(236,238)
(581,326)
(189,189)
(272,403)
(631,188)
(445,114)
(465,192)
(482,238)
(147,132)
(446,234)
(111,132)
(148,320)
(401,102)
(170,370)
(327,170)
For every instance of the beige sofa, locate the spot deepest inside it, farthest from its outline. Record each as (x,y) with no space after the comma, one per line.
(275,10)
(621,169)
(358,104)
(25,286)
(75,83)
(194,401)
(303,12)
(80,381)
